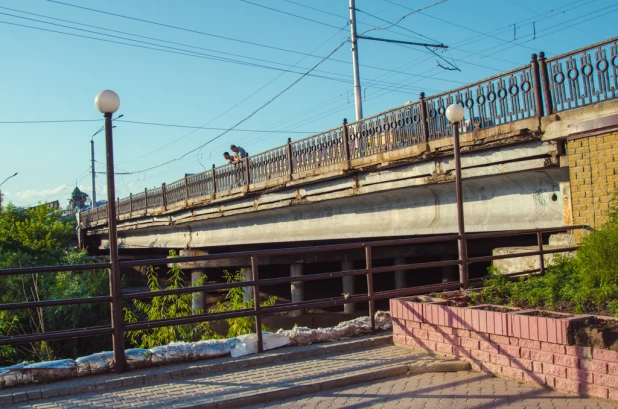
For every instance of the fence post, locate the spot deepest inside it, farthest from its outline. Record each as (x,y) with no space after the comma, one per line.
(163,198)
(145,200)
(549,106)
(372,303)
(130,204)
(346,141)
(290,163)
(424,119)
(214,179)
(256,302)
(118,208)
(538,93)
(186,191)
(539,239)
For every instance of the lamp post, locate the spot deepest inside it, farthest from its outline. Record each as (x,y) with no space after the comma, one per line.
(455,114)
(94,191)
(108,102)
(12,176)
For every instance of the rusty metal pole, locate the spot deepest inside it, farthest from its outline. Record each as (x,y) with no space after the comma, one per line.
(214,179)
(538,93)
(539,238)
(346,141)
(372,303)
(549,106)
(256,302)
(164,195)
(424,119)
(463,244)
(117,314)
(289,161)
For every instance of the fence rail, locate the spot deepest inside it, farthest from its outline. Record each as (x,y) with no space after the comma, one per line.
(542,87)
(118,300)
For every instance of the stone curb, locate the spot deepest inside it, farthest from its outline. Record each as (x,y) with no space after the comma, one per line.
(295,391)
(163,373)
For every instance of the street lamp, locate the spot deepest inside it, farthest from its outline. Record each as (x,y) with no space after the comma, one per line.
(455,114)
(108,102)
(94,191)
(12,176)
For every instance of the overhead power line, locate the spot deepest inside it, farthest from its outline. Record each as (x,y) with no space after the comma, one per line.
(60,121)
(290,14)
(248,116)
(208,128)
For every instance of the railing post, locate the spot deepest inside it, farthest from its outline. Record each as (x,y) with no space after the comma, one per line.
(118,208)
(247,170)
(290,163)
(145,200)
(549,106)
(256,302)
(214,179)
(538,93)
(163,196)
(186,190)
(130,204)
(372,303)
(539,239)
(346,141)
(424,117)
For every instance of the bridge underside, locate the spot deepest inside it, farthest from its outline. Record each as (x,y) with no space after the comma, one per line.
(506,188)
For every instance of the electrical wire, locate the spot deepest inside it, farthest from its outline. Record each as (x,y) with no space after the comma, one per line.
(210,128)
(59,121)
(291,14)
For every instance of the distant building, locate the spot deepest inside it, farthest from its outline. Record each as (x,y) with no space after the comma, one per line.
(78,200)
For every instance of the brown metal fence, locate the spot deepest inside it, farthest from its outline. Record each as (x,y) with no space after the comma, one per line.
(119,328)
(534,90)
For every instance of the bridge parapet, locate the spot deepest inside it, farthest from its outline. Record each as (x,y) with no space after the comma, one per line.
(530,92)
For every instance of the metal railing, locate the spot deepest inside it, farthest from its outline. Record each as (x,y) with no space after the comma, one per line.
(119,328)
(534,90)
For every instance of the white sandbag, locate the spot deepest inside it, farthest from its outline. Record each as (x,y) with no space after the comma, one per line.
(165,354)
(213,348)
(49,371)
(102,362)
(246,345)
(302,335)
(138,358)
(14,375)
(272,341)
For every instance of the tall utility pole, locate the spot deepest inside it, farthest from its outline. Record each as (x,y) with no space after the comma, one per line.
(357,87)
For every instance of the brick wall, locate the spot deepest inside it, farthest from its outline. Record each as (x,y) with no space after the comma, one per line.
(593,172)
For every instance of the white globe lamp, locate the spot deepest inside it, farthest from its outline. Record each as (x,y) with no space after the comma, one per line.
(107,102)
(454,113)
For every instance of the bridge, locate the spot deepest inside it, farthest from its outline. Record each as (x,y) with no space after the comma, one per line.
(390,175)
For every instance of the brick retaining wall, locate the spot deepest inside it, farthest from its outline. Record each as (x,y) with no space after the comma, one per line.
(582,370)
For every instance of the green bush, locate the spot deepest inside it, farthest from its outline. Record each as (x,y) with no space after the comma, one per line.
(584,283)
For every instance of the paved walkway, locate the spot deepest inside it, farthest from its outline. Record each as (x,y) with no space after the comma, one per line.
(251,385)
(458,390)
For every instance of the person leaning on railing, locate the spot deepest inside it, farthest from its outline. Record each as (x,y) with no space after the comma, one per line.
(239,152)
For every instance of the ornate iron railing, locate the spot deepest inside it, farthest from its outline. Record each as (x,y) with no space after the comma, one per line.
(584,76)
(581,77)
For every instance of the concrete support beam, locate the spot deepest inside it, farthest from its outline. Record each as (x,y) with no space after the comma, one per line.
(247,274)
(401,276)
(297,287)
(199,299)
(348,284)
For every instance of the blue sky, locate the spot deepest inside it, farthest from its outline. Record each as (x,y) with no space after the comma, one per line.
(47,75)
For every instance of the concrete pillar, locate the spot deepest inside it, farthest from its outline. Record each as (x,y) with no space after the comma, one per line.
(199,299)
(348,284)
(449,273)
(401,276)
(247,274)
(297,288)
